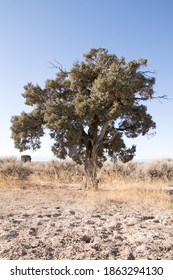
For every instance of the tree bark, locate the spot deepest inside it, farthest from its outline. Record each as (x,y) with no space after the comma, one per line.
(92,147)
(91,167)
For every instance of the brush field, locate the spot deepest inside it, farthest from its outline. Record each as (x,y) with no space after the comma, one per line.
(47,214)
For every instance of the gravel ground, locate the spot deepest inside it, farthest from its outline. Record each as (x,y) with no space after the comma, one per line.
(46,223)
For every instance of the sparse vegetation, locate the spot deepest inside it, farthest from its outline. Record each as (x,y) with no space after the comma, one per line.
(159,170)
(142,181)
(12,169)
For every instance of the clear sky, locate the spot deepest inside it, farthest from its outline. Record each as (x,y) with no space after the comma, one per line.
(35,32)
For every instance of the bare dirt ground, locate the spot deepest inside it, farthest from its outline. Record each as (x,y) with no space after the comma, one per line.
(52,223)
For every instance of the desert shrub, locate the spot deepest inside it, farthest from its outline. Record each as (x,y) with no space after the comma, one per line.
(11,168)
(138,171)
(68,171)
(119,170)
(160,170)
(61,171)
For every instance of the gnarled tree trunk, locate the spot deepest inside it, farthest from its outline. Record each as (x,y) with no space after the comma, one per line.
(90,167)
(93,143)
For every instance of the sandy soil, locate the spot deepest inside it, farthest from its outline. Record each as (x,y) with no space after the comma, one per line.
(49,223)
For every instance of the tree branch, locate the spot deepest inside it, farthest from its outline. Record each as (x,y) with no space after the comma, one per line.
(145,73)
(103,131)
(154,97)
(110,140)
(60,67)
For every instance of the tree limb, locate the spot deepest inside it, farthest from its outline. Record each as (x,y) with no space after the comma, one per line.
(153,97)
(103,131)
(60,67)
(110,140)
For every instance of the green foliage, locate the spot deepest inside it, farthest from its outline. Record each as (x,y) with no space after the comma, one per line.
(89,109)
(27,130)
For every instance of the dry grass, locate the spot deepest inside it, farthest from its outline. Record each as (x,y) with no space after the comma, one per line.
(146,183)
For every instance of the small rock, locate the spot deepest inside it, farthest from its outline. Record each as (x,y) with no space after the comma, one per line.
(23,253)
(59,230)
(90,222)
(131,257)
(114,251)
(52,224)
(72,225)
(16,221)
(119,237)
(144,218)
(57,214)
(156,221)
(10,215)
(32,231)
(86,238)
(96,216)
(40,216)
(96,246)
(25,215)
(48,215)
(12,234)
(49,251)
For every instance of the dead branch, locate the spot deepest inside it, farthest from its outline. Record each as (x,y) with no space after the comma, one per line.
(58,65)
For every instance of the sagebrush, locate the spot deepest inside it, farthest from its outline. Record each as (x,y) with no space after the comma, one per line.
(68,171)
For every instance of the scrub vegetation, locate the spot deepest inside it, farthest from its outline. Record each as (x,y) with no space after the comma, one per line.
(118,181)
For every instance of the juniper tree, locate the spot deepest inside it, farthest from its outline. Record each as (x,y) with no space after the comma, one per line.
(88,110)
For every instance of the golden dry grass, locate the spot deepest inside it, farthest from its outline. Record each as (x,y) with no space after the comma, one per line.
(66,178)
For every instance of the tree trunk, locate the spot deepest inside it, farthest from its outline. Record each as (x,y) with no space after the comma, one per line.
(91,168)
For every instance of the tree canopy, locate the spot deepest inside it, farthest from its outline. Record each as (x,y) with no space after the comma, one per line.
(88,110)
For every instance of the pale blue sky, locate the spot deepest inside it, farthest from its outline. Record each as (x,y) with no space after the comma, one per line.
(34,32)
